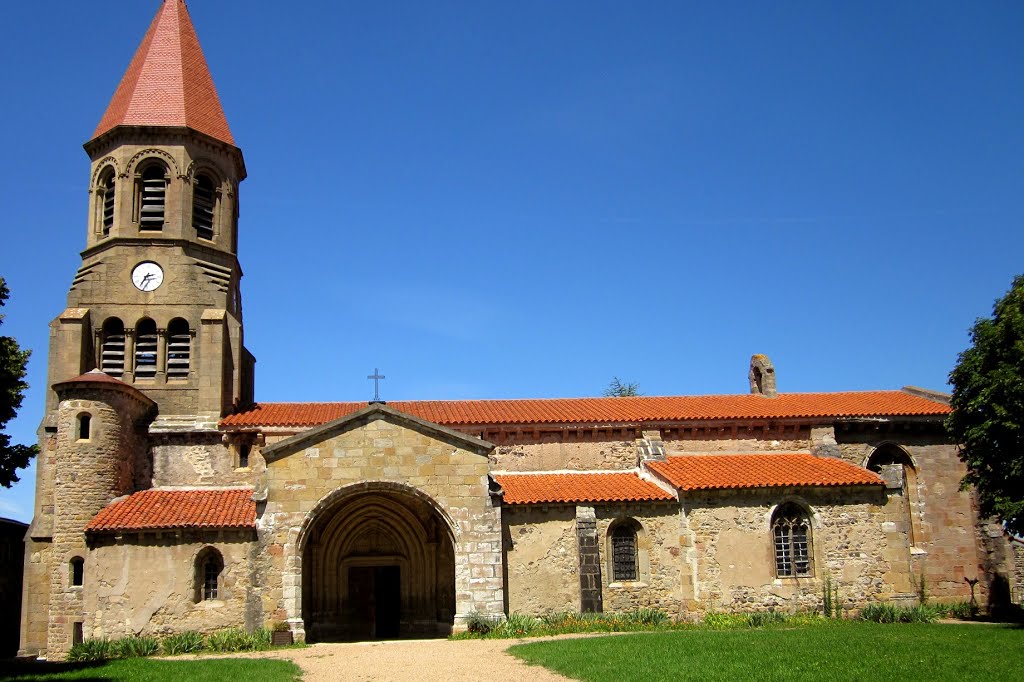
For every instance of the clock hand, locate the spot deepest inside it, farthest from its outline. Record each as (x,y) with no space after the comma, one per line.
(146,279)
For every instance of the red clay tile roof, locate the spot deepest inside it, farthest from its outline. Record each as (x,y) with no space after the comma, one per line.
(94,377)
(168,82)
(155,509)
(766,470)
(583,487)
(607,410)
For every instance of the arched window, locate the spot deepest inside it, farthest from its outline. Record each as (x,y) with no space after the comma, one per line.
(112,347)
(896,468)
(145,349)
(152,197)
(84,426)
(179,349)
(76,568)
(624,551)
(791,538)
(105,202)
(204,199)
(209,566)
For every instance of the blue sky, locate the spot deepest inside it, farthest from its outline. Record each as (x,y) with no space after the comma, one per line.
(524,199)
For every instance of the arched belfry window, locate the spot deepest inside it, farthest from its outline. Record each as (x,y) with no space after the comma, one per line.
(209,567)
(791,539)
(624,551)
(145,349)
(105,202)
(112,347)
(204,200)
(152,197)
(179,349)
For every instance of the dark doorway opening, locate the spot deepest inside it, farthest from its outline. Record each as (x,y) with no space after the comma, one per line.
(376,599)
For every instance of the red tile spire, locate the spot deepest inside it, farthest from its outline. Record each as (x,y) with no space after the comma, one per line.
(168,82)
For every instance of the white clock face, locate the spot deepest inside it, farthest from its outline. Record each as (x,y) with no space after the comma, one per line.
(147,276)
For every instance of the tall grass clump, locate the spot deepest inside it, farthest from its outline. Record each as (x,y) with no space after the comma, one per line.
(135,647)
(92,650)
(646,616)
(759,619)
(232,639)
(188,642)
(517,625)
(891,613)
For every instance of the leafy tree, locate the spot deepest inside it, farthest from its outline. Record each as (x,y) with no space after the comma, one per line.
(988,409)
(12,389)
(619,389)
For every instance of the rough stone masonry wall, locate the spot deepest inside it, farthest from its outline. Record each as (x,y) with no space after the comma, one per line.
(196,460)
(541,560)
(665,572)
(88,474)
(454,478)
(733,541)
(948,538)
(147,584)
(578,451)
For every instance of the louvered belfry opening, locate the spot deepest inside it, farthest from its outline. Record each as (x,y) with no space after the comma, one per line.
(179,349)
(107,202)
(145,349)
(203,202)
(112,348)
(153,198)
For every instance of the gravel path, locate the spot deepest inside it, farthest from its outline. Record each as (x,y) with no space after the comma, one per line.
(425,660)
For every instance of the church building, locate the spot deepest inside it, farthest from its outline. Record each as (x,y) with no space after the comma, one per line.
(168,500)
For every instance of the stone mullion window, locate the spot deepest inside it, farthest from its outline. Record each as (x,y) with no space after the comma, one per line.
(791,533)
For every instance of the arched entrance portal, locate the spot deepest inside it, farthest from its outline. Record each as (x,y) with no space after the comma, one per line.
(378,563)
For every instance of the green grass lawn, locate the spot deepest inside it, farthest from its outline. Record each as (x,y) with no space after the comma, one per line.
(155,670)
(845,651)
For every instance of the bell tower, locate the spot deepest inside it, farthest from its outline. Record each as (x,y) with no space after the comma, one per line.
(156,302)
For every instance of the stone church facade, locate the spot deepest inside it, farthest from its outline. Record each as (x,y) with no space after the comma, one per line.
(168,500)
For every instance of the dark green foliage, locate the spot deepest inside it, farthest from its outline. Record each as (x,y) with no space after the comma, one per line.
(92,650)
(988,409)
(12,390)
(150,670)
(620,389)
(842,650)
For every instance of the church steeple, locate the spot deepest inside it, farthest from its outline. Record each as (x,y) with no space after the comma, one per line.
(157,300)
(168,82)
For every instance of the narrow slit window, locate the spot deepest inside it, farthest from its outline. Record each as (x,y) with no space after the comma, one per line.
(179,349)
(204,201)
(112,348)
(77,633)
(243,455)
(77,571)
(145,349)
(153,199)
(84,426)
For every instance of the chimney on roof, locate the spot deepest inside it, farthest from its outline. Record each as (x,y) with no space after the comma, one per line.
(762,376)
